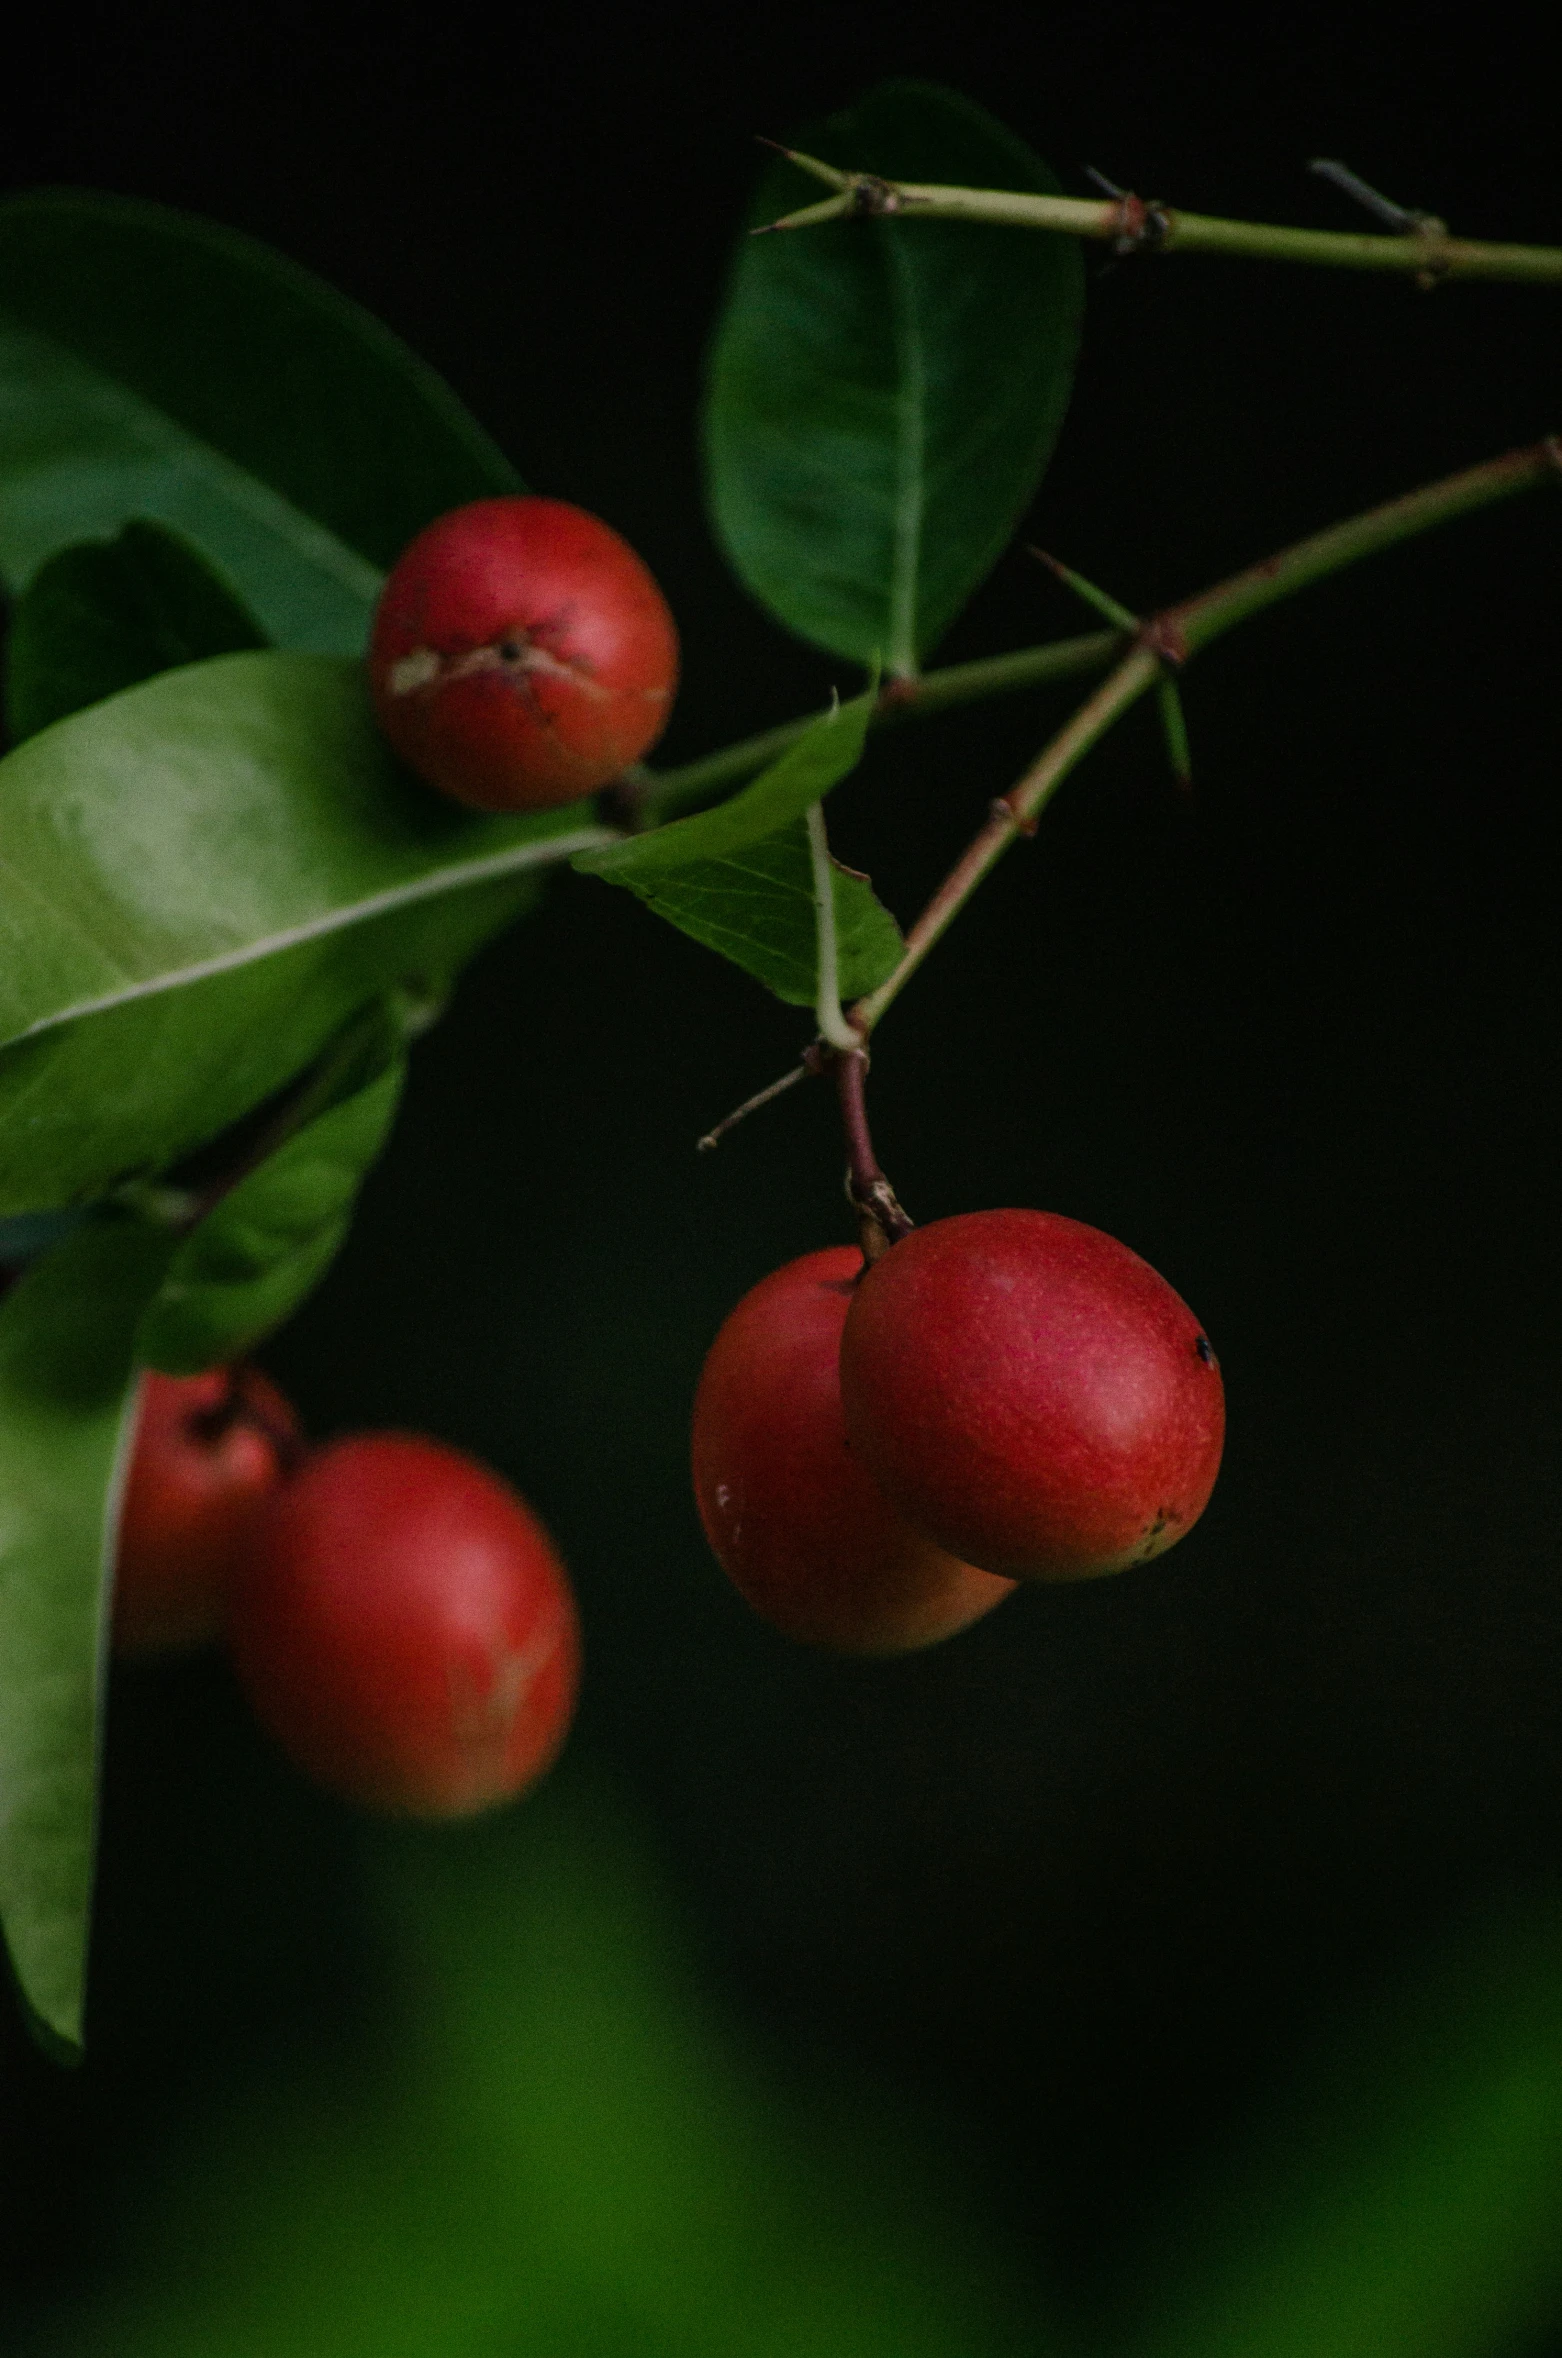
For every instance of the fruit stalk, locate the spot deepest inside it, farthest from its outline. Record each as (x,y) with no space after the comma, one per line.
(881,1218)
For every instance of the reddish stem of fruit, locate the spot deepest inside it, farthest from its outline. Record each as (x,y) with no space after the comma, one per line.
(881,1218)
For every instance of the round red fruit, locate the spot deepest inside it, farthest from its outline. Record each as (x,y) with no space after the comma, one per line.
(522,655)
(797,1524)
(405,1628)
(209,1450)
(1032,1394)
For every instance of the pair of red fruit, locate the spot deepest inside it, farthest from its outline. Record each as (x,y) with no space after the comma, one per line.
(881,1454)
(398,1616)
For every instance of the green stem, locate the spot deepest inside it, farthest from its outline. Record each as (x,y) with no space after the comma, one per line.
(1175,635)
(1424,250)
(1013,814)
(1183,630)
(671,791)
(833,1025)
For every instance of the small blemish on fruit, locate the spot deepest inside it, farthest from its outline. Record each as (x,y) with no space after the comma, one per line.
(417,670)
(1206,1350)
(510,650)
(1155,1533)
(722,1494)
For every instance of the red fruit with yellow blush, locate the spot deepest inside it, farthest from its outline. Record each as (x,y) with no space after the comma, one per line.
(794,1519)
(1032,1395)
(522,655)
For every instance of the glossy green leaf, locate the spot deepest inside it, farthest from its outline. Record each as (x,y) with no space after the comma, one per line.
(884,395)
(200,880)
(828,751)
(154,364)
(106,614)
(269,1240)
(757,908)
(66,1337)
(740,877)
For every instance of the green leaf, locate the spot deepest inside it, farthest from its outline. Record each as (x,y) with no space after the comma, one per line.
(200,880)
(66,1336)
(104,615)
(269,1240)
(739,878)
(154,364)
(828,751)
(758,910)
(884,395)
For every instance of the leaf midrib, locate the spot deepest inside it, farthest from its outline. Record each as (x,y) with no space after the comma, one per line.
(910,500)
(458,877)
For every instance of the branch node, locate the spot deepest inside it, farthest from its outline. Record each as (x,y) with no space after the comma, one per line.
(1002,808)
(873,199)
(1139,225)
(1166,640)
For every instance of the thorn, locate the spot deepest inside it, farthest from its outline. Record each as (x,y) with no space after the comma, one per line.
(830,174)
(800,1072)
(1096,599)
(1399,218)
(1107,187)
(830,209)
(1174,727)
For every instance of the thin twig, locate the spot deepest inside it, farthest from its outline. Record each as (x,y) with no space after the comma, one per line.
(943,689)
(1174,636)
(1136,224)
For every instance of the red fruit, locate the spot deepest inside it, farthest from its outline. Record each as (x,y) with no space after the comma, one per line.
(794,1520)
(522,655)
(1032,1394)
(405,1629)
(209,1450)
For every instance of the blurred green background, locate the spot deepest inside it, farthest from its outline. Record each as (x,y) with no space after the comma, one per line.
(1174,1965)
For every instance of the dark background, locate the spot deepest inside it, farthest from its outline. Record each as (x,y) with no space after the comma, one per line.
(1091,1875)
